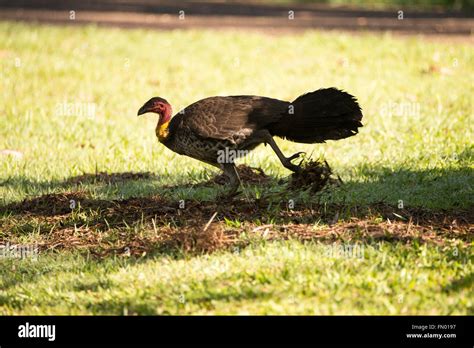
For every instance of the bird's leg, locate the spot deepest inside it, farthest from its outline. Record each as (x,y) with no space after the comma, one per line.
(231,172)
(286,161)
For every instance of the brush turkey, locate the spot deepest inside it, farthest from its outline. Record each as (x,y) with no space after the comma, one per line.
(218,130)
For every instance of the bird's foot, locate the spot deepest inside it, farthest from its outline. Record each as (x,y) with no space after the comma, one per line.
(296,155)
(291,166)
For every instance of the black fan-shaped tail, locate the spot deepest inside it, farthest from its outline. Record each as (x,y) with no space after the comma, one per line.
(325,114)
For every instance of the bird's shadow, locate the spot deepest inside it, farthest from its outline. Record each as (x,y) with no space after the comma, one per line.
(263,196)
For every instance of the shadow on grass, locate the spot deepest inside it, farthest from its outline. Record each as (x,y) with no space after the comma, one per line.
(148,306)
(448,190)
(460,284)
(242,9)
(436,204)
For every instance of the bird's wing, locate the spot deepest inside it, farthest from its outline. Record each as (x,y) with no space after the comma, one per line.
(231,118)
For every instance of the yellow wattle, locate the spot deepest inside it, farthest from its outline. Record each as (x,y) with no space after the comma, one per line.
(162,131)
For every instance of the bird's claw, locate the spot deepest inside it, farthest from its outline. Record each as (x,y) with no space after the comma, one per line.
(294,167)
(296,155)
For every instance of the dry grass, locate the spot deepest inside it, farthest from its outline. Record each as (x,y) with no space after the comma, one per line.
(137,226)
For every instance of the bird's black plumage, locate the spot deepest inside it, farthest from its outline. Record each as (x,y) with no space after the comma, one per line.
(214,124)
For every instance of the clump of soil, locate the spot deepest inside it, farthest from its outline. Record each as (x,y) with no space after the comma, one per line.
(247,174)
(313,174)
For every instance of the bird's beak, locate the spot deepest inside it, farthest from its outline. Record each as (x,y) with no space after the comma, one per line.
(143,110)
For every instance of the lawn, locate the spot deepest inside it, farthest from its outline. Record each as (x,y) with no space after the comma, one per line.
(120,221)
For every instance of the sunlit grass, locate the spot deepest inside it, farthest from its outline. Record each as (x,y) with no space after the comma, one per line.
(416,146)
(416,97)
(278,278)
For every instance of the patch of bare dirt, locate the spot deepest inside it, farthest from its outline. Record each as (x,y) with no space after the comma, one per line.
(267,18)
(59,206)
(49,204)
(137,226)
(189,239)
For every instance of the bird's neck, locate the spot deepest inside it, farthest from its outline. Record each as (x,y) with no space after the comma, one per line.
(162,131)
(162,128)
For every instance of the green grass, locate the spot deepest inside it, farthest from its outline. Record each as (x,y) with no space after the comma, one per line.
(278,278)
(416,146)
